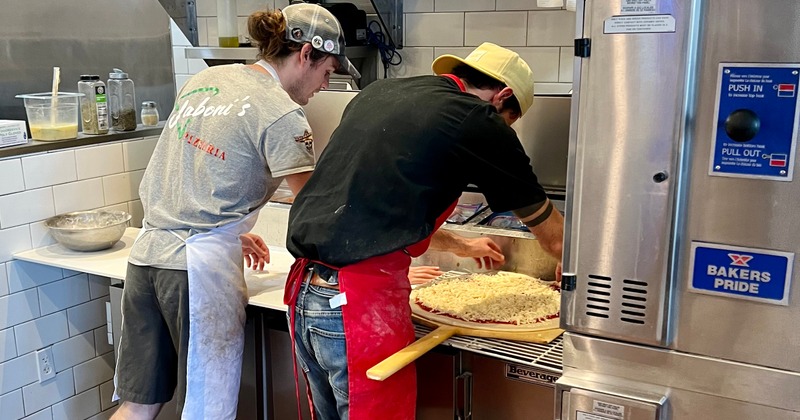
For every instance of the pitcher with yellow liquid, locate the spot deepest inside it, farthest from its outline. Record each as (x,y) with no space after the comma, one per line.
(52,118)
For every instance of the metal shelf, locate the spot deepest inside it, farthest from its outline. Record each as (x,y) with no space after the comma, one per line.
(548,357)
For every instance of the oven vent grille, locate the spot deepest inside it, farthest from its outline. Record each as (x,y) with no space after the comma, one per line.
(605,298)
(598,298)
(634,301)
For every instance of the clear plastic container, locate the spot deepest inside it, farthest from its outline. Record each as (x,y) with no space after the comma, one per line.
(122,101)
(227,27)
(51,119)
(94,105)
(149,113)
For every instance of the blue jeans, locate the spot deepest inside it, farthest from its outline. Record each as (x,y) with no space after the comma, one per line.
(321,351)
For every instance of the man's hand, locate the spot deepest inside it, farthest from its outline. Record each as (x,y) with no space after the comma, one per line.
(558,273)
(423,274)
(486,253)
(255,251)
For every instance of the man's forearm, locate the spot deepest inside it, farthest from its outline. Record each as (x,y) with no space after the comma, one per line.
(443,240)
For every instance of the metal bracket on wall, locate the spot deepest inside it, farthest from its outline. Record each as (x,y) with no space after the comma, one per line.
(184,13)
(390,13)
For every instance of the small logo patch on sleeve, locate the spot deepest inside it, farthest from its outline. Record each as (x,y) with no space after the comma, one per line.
(306,138)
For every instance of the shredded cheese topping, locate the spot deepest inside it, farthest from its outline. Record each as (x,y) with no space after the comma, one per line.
(503,297)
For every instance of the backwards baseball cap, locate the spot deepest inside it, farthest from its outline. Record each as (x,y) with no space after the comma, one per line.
(316,25)
(499,63)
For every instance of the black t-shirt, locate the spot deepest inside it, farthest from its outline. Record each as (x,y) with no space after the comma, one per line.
(403,153)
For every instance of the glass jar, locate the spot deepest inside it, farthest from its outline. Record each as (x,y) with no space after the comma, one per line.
(227,27)
(94,105)
(149,113)
(122,101)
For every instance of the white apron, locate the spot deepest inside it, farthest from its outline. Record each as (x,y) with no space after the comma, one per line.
(217,301)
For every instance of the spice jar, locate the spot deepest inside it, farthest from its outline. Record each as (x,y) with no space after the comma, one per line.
(149,113)
(121,101)
(94,105)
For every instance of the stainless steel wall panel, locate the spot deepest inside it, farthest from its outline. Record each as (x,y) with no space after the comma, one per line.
(695,384)
(630,132)
(84,37)
(737,211)
(544,134)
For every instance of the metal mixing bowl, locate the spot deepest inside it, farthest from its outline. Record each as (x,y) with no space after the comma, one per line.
(88,230)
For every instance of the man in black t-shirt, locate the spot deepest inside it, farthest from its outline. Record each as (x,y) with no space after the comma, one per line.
(402,155)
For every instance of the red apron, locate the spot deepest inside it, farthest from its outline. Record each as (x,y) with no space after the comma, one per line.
(377,324)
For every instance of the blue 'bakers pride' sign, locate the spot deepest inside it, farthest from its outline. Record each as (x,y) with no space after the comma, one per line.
(743,273)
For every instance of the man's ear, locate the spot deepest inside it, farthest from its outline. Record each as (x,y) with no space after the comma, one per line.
(500,97)
(305,54)
(504,93)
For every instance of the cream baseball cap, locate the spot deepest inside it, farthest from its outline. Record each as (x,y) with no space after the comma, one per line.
(498,62)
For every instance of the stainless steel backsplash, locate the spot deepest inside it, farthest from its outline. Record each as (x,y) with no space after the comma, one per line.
(84,37)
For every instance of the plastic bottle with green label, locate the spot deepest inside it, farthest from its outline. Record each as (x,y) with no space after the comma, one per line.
(94,104)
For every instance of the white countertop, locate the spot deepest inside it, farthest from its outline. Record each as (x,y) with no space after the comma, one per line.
(265,288)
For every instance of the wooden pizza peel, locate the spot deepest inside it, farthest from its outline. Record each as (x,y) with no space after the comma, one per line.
(446,327)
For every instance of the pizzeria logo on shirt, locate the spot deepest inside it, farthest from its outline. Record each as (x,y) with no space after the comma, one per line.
(306,138)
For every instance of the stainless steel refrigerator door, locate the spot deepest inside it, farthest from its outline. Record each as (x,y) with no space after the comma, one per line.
(757,213)
(626,134)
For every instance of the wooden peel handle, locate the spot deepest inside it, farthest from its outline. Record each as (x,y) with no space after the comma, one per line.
(404,357)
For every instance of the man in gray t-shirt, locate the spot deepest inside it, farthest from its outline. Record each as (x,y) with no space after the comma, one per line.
(223,152)
(235,133)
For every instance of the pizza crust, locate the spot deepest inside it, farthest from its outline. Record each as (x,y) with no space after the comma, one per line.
(491,298)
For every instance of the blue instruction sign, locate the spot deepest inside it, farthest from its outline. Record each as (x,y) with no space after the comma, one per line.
(756,127)
(743,273)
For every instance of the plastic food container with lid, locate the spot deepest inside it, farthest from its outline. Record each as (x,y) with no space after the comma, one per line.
(52,118)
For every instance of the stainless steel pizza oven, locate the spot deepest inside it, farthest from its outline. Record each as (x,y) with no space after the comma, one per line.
(681,212)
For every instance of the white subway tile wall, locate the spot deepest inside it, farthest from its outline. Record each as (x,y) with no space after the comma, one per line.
(101,345)
(81,406)
(136,154)
(434,29)
(95,161)
(463,5)
(41,332)
(47,307)
(11,174)
(78,196)
(73,351)
(3,280)
(11,404)
(46,414)
(443,25)
(94,372)
(8,347)
(17,373)
(37,396)
(26,207)
(106,393)
(49,169)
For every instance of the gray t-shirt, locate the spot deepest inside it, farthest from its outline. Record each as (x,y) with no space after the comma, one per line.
(232,137)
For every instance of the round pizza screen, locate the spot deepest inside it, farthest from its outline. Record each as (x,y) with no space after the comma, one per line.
(506,298)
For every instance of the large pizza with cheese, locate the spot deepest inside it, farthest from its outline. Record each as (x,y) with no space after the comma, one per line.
(497,301)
